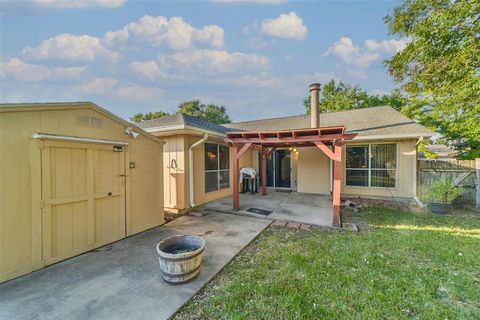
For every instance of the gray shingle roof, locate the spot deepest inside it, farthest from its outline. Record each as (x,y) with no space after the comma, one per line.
(183,119)
(374,121)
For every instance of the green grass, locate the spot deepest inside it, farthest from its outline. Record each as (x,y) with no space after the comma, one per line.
(406,265)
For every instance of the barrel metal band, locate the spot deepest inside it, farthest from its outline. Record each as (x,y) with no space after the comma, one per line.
(180,275)
(183,258)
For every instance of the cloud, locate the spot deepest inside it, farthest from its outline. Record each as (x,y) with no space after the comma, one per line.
(78,4)
(97,86)
(148,69)
(386,46)
(112,88)
(18,69)
(346,51)
(274,2)
(33,6)
(286,25)
(71,47)
(212,62)
(159,31)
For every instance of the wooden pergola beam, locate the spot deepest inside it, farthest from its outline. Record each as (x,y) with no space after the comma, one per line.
(337,182)
(291,140)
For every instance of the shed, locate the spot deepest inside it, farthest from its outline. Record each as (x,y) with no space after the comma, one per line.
(73,177)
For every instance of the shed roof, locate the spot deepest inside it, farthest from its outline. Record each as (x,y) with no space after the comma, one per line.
(368,123)
(180,119)
(10,107)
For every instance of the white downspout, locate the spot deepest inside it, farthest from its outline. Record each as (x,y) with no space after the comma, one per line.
(417,200)
(190,168)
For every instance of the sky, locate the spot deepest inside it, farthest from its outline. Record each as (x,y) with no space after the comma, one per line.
(255,57)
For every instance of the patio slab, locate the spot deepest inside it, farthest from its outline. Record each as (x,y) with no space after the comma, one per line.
(125,282)
(305,208)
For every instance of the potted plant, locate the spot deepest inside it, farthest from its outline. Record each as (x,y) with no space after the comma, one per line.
(441,194)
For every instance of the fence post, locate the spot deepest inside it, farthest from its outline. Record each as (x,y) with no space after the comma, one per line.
(477,185)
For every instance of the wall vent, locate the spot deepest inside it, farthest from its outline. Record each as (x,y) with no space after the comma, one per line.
(89,122)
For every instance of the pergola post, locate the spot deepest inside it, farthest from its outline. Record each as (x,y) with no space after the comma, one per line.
(236,177)
(264,172)
(337,178)
(265,156)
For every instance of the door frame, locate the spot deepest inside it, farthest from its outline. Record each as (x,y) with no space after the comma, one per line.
(274,158)
(40,205)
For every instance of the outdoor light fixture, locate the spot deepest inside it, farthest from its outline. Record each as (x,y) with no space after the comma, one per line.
(132,133)
(294,150)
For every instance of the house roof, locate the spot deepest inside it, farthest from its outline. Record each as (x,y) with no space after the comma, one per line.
(369,123)
(26,106)
(441,150)
(181,119)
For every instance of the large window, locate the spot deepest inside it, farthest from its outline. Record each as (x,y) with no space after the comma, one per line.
(371,165)
(217,167)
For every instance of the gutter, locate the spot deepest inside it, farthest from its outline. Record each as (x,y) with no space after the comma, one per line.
(190,168)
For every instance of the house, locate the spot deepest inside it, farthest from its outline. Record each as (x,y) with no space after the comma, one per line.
(73,177)
(441,151)
(368,152)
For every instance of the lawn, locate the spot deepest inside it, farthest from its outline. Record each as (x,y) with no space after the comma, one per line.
(405,265)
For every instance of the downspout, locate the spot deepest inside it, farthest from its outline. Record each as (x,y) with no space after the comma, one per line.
(417,200)
(190,168)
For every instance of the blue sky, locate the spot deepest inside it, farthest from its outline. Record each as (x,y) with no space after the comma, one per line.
(255,57)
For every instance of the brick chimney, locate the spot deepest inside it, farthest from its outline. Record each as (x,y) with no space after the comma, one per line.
(314,100)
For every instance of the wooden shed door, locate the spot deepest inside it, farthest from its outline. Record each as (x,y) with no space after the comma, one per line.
(83,193)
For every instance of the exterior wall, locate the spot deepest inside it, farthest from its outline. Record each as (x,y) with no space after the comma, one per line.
(314,172)
(20,179)
(175,172)
(406,173)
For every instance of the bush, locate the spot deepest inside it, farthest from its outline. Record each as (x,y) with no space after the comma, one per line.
(443,191)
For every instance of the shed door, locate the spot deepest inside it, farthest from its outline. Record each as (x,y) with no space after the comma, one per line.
(83,192)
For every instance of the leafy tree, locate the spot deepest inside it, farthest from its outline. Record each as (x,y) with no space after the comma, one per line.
(340,96)
(439,69)
(210,112)
(148,116)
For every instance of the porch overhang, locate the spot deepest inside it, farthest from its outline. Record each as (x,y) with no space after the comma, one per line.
(329,140)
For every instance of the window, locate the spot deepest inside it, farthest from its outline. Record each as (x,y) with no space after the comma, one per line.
(217,167)
(372,165)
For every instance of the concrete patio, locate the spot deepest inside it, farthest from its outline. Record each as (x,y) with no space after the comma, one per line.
(296,207)
(123,281)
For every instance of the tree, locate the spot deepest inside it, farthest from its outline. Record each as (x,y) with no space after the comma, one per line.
(210,112)
(340,96)
(148,116)
(439,69)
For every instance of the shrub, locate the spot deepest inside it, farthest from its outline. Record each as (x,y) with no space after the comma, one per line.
(443,191)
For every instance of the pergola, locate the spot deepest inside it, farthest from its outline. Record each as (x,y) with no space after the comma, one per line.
(329,140)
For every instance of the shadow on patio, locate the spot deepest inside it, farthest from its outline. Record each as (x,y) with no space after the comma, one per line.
(296,207)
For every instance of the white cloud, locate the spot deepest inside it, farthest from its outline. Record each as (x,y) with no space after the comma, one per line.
(97,86)
(148,69)
(71,47)
(112,88)
(160,31)
(212,62)
(34,6)
(20,70)
(251,1)
(78,4)
(346,51)
(386,46)
(286,25)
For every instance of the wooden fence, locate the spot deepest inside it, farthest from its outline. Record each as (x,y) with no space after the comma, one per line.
(464,173)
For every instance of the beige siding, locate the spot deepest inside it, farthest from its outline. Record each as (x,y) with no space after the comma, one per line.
(406,173)
(314,173)
(20,178)
(175,172)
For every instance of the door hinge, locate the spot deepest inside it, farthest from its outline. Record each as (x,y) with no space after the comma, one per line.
(40,144)
(42,204)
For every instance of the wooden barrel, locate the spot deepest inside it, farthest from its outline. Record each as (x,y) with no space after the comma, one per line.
(180,258)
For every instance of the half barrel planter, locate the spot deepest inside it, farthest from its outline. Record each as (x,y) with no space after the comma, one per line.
(180,258)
